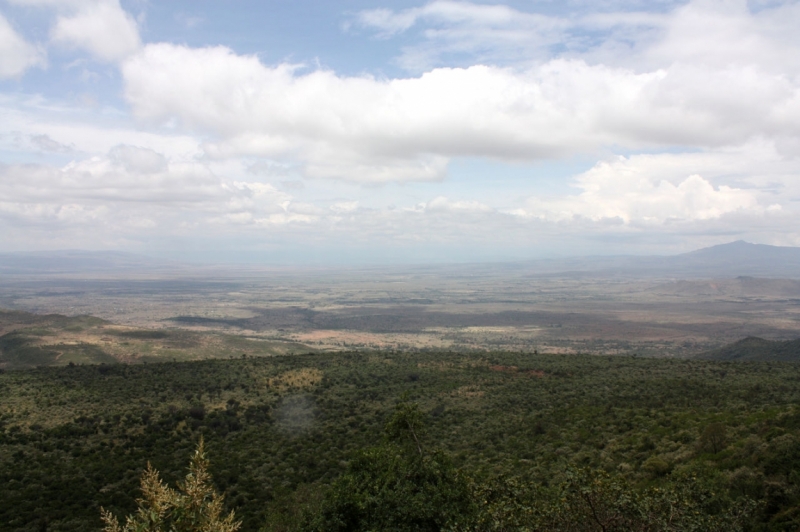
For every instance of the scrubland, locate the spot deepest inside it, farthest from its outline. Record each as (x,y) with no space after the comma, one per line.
(280,428)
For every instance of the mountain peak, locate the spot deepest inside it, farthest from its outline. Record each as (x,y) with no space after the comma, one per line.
(746,249)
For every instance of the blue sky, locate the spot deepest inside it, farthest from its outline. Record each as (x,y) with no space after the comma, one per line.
(294,132)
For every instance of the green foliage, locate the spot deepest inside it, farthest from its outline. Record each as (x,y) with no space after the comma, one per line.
(508,503)
(396,486)
(406,425)
(194,507)
(714,438)
(18,349)
(594,500)
(32,340)
(757,349)
(282,430)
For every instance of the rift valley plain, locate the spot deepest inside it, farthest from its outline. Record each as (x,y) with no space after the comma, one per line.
(214,313)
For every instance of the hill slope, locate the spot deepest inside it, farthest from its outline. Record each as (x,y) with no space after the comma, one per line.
(75,438)
(753,349)
(29,340)
(725,260)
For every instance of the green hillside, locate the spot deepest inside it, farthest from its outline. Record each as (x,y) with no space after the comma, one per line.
(30,340)
(757,349)
(280,430)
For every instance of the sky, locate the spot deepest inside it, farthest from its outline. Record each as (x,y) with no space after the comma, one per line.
(319,132)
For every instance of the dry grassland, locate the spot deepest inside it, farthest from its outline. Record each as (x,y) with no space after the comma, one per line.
(260,316)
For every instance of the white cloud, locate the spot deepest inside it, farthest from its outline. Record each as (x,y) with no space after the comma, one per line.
(34,124)
(376,130)
(102,28)
(449,13)
(443,204)
(453,30)
(628,34)
(343,207)
(138,160)
(722,33)
(637,199)
(128,193)
(657,189)
(16,54)
(46,144)
(133,184)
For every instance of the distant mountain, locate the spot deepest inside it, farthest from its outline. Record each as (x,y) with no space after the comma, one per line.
(742,258)
(735,259)
(754,349)
(76,262)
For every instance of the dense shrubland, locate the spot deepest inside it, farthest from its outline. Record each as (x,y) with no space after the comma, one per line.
(506,441)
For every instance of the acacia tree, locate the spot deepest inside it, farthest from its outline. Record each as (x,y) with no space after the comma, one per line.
(194,507)
(714,438)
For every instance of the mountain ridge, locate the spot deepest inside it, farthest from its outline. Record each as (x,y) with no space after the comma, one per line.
(730,260)
(754,349)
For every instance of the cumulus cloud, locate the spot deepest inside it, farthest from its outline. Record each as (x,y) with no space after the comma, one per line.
(137,188)
(16,54)
(635,198)
(139,193)
(100,27)
(654,189)
(718,34)
(362,128)
(260,205)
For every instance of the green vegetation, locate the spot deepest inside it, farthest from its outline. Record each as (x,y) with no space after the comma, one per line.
(30,340)
(396,486)
(502,440)
(19,349)
(402,487)
(757,349)
(194,507)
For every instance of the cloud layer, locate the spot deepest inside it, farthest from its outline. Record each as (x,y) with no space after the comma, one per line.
(368,129)
(687,118)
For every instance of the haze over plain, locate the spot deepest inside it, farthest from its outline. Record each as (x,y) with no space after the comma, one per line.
(355,132)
